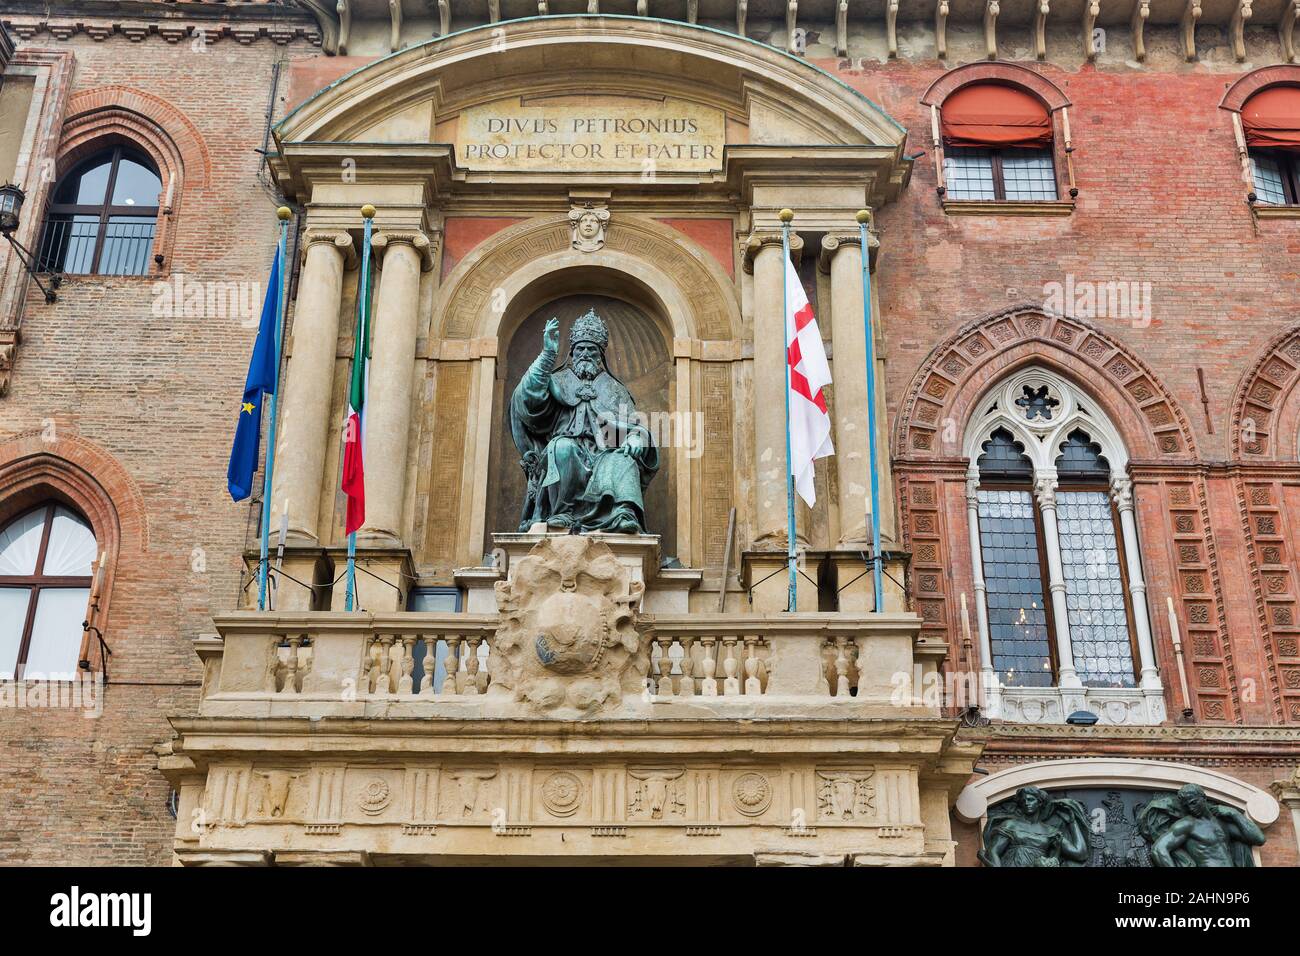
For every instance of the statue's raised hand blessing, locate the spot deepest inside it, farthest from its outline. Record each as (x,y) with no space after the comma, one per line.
(551,335)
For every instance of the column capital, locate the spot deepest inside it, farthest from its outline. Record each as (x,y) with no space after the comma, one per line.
(833,242)
(1045,490)
(767,237)
(424,245)
(1121,492)
(339,238)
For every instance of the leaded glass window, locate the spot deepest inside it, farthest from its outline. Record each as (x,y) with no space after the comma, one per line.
(1094,589)
(1013,578)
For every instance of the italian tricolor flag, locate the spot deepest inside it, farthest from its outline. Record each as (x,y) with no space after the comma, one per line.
(354,428)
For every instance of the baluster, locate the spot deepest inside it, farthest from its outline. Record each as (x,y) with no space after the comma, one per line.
(708,665)
(665,666)
(841,668)
(384,684)
(451,665)
(686,686)
(855,675)
(753,687)
(406,682)
(370,673)
(827,653)
(730,683)
(291,667)
(471,665)
(429,665)
(485,674)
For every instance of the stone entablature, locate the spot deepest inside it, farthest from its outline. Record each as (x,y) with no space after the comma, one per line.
(440,791)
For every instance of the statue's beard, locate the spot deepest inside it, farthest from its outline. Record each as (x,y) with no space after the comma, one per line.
(586,369)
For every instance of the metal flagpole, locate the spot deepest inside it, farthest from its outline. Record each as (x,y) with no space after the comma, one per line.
(863,217)
(364,355)
(285,214)
(792,595)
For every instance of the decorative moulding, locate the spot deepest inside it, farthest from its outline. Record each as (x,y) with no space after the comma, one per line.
(976,798)
(981,207)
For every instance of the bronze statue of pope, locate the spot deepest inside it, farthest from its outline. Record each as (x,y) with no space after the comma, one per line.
(586,453)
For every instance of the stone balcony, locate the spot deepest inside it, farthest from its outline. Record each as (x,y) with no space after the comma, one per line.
(569,726)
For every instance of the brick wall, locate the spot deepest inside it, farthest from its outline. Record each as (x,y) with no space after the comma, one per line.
(157,395)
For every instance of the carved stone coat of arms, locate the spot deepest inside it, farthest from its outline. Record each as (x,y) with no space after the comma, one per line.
(567,637)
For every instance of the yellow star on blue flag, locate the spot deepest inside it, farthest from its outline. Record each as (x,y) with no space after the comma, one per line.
(262,370)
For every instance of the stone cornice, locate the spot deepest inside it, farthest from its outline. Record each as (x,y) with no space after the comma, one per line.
(281,21)
(1221,744)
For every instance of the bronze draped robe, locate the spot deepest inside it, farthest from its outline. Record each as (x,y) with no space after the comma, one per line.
(567,431)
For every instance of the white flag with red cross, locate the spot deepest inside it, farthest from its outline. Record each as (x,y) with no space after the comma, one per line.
(810,424)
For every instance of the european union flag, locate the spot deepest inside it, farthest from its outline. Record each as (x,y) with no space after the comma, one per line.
(261,382)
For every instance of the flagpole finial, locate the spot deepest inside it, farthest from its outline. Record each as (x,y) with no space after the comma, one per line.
(367,211)
(863,216)
(284,213)
(785,215)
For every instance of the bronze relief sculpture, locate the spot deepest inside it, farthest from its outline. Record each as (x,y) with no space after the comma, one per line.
(1188,829)
(1036,830)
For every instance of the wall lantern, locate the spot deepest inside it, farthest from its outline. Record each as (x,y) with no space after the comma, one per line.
(11,207)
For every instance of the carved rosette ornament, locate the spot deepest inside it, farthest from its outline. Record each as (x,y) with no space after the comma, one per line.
(375,797)
(751,794)
(567,637)
(562,793)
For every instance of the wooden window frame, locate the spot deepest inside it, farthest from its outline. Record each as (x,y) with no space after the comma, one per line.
(37,581)
(999,178)
(1290,165)
(106,211)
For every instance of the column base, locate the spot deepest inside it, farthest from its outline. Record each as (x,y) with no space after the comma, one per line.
(763,574)
(855,584)
(301,584)
(384,577)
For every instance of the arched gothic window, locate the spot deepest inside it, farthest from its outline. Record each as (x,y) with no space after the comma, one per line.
(46,560)
(103,215)
(1059,590)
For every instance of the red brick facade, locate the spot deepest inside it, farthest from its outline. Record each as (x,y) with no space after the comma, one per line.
(126,414)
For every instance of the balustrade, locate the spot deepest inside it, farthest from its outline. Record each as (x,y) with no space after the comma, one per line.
(430,657)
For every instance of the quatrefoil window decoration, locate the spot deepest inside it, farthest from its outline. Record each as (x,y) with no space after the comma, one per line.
(1037,403)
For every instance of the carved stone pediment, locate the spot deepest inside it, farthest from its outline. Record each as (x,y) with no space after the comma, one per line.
(567,638)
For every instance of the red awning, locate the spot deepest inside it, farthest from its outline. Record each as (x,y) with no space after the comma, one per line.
(990,114)
(1272,118)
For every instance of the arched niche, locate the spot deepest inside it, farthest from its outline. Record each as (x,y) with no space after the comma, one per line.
(1118,772)
(477,313)
(639,355)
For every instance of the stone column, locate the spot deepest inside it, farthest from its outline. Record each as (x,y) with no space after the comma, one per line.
(1045,491)
(763,259)
(309,379)
(402,257)
(841,258)
(988,676)
(1121,491)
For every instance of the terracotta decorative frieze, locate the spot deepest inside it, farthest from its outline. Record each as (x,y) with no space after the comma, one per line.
(954,375)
